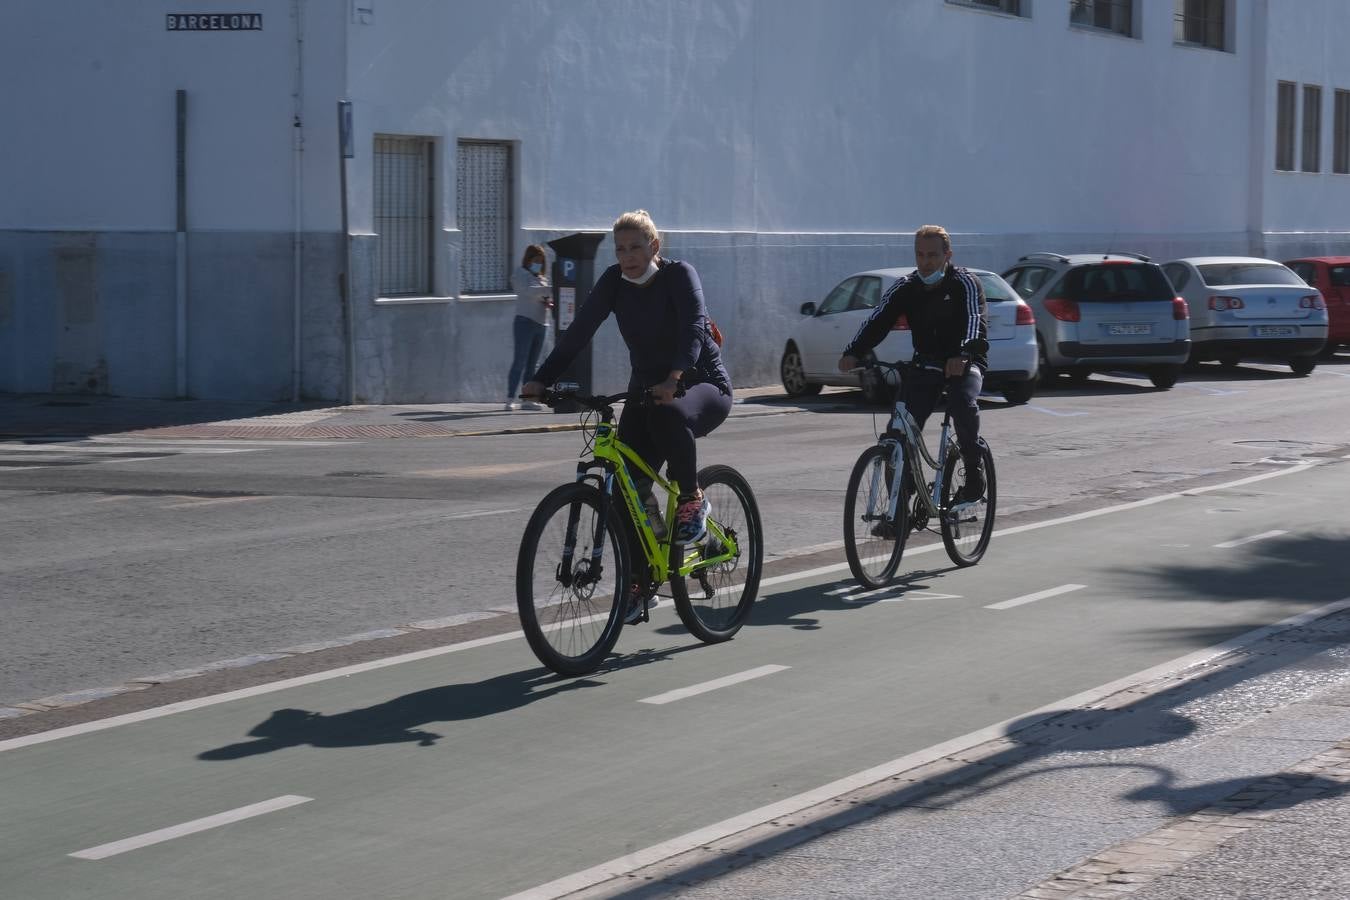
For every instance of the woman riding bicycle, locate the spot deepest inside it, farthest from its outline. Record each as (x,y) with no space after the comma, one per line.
(658,304)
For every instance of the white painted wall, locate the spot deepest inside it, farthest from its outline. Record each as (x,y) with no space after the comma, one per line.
(783,144)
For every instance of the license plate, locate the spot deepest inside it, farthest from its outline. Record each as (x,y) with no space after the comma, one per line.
(1276,331)
(1129,329)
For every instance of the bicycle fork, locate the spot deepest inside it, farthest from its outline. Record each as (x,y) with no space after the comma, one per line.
(594,567)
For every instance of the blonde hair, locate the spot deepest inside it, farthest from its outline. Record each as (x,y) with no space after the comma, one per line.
(934,231)
(637,220)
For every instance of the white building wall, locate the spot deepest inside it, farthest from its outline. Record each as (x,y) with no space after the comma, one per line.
(781,145)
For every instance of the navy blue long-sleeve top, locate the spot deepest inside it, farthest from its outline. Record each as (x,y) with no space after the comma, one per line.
(664,323)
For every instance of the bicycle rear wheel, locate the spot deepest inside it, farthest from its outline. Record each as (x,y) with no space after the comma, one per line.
(966,532)
(873,542)
(715,600)
(571,580)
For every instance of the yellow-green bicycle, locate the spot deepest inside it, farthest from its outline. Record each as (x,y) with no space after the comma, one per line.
(574,575)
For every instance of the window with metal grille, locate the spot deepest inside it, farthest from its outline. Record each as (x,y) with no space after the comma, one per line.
(483,201)
(1202,23)
(1312,128)
(1108,15)
(1284,126)
(403,186)
(1012,7)
(1340,156)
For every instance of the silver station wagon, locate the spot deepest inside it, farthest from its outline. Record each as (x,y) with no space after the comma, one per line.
(1101,311)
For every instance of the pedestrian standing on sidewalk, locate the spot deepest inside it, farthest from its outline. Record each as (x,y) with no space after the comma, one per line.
(534,302)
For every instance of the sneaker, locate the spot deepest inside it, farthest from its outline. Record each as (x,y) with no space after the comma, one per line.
(530,404)
(636,599)
(691,520)
(973,489)
(510,405)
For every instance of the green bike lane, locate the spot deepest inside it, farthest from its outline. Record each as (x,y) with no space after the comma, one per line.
(475,773)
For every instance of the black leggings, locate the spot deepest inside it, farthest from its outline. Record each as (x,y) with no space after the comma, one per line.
(665,433)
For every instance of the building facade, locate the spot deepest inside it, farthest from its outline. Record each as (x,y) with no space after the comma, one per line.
(177,217)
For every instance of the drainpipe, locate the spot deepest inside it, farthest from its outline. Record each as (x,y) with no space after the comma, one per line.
(297,199)
(180,244)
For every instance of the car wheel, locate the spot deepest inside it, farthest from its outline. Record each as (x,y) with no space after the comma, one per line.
(793,374)
(1164,377)
(1302,365)
(1018,392)
(1045,373)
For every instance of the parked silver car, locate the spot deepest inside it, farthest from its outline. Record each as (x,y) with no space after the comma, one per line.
(811,355)
(1098,311)
(1244,307)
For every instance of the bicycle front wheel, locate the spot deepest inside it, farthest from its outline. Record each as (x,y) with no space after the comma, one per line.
(873,542)
(571,580)
(714,597)
(966,530)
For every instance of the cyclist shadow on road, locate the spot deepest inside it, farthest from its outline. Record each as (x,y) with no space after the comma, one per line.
(404,720)
(794,608)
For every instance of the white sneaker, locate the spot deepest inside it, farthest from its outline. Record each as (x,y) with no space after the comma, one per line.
(510,405)
(530,404)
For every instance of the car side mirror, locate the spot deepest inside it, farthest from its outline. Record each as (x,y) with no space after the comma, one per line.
(808,308)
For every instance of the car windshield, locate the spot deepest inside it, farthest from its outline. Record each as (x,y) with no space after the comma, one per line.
(1116,281)
(1230,274)
(996,289)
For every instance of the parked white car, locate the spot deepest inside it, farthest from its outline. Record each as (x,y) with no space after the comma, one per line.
(812,353)
(1243,307)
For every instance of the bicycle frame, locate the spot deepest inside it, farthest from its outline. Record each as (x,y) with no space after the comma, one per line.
(615,458)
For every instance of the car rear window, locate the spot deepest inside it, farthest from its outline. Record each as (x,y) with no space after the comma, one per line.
(1230,274)
(1340,276)
(1116,281)
(996,289)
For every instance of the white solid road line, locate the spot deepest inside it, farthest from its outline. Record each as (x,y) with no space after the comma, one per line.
(790,805)
(29,740)
(1051,412)
(1228,545)
(1039,595)
(726,681)
(103,851)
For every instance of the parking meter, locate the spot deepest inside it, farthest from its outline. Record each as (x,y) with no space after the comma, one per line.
(573,278)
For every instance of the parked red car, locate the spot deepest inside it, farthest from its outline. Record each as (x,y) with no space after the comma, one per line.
(1331,276)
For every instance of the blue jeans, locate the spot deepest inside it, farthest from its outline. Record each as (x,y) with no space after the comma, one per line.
(529,338)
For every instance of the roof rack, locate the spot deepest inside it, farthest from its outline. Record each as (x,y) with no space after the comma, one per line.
(1041,254)
(1138,256)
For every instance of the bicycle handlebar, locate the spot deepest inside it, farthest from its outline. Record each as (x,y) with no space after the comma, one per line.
(570,391)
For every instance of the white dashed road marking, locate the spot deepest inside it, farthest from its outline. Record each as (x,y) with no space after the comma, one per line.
(103,851)
(694,690)
(1228,545)
(1039,595)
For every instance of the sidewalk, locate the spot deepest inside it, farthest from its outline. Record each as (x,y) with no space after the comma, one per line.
(51,415)
(1228,780)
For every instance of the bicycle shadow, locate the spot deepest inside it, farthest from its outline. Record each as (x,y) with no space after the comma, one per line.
(793,609)
(403,720)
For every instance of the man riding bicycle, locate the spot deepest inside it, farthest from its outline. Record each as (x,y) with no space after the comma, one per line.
(948,318)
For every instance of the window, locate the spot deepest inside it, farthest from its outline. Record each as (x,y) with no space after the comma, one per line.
(403,204)
(868,295)
(1012,7)
(1284,126)
(1340,156)
(1312,128)
(1201,22)
(838,299)
(1177,274)
(1108,15)
(483,201)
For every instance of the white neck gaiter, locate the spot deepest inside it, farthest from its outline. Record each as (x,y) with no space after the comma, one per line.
(645,276)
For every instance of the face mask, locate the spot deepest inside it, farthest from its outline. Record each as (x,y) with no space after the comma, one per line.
(536,268)
(645,276)
(938,275)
